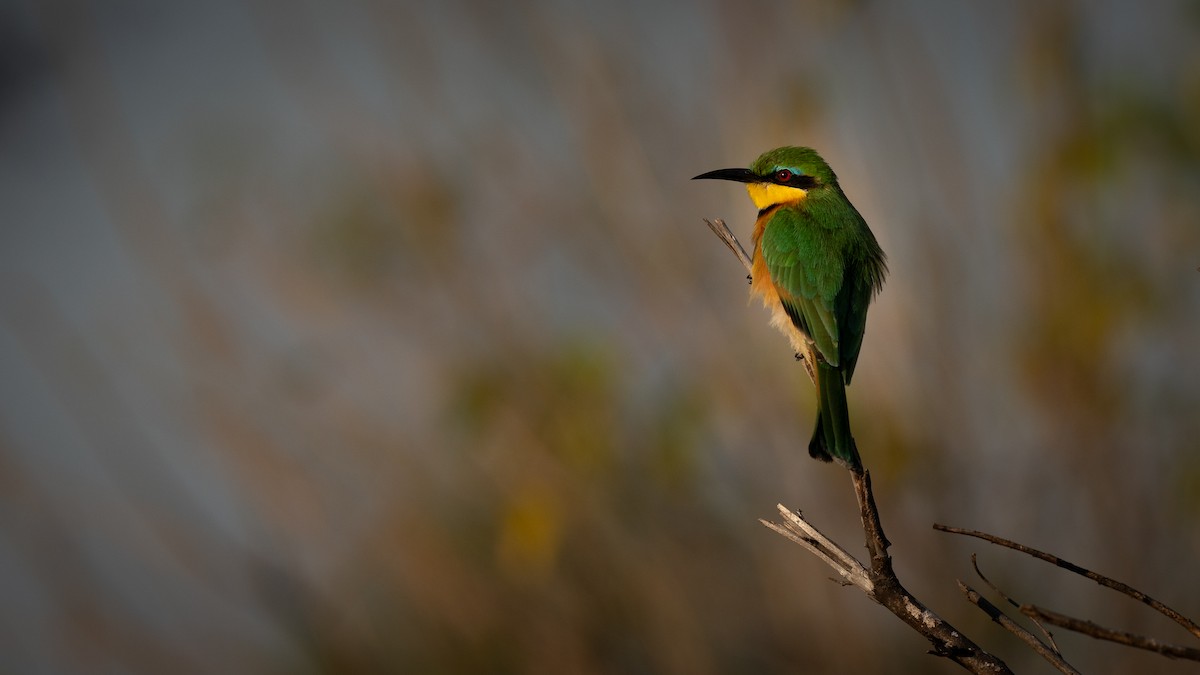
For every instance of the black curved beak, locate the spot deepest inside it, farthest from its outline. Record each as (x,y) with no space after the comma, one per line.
(738,175)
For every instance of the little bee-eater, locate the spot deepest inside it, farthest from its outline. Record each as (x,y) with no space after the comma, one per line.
(816,266)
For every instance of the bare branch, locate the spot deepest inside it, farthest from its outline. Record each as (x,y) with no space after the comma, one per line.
(1101,633)
(1134,593)
(880,583)
(1045,651)
(1014,603)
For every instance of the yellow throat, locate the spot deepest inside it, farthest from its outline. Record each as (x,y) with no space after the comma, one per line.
(765,195)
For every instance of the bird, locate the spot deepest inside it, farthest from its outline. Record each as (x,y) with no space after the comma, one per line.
(816,266)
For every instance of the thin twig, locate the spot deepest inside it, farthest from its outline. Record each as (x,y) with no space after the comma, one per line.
(726,235)
(1134,593)
(799,530)
(996,589)
(731,242)
(1101,633)
(1045,651)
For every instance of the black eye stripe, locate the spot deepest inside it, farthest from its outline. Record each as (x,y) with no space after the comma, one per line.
(796,180)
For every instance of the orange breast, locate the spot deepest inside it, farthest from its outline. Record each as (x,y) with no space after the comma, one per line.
(764,288)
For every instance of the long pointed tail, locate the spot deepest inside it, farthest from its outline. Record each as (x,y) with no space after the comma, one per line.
(831,438)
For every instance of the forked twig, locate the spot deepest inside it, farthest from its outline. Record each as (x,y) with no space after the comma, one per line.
(1004,596)
(1132,592)
(1045,651)
(879,581)
(799,530)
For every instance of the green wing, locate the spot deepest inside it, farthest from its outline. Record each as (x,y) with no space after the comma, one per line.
(807,267)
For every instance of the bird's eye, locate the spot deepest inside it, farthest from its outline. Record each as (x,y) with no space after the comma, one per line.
(783,176)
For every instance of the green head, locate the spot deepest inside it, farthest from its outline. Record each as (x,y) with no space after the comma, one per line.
(780,176)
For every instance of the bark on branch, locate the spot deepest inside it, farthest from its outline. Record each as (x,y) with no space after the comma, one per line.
(880,583)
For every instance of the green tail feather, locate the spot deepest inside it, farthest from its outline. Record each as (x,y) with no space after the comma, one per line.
(831,438)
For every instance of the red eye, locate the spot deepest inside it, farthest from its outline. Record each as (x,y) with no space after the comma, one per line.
(783,176)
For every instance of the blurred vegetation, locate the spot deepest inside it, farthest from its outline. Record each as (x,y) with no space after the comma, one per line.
(373,337)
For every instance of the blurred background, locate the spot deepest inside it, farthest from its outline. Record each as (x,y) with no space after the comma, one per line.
(365,336)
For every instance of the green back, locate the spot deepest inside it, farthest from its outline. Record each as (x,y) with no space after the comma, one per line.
(826,265)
